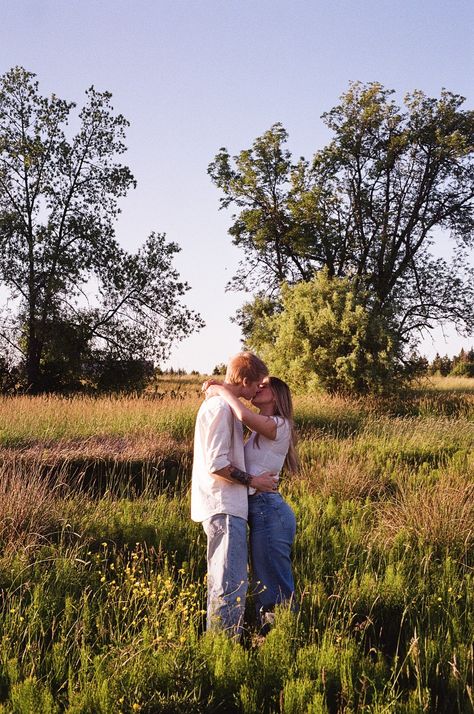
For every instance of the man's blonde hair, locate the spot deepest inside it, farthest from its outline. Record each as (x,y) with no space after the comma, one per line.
(245,365)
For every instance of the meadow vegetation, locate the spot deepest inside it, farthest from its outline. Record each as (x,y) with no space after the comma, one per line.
(102,573)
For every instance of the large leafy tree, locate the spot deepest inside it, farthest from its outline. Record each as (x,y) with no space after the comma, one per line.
(258,182)
(369,207)
(59,199)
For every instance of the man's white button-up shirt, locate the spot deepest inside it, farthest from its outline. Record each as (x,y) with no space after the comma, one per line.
(218,442)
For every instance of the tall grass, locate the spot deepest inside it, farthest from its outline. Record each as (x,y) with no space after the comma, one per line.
(438,515)
(103,591)
(107,615)
(465,385)
(26,420)
(29,506)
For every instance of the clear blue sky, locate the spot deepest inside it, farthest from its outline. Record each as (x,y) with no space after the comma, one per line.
(194,75)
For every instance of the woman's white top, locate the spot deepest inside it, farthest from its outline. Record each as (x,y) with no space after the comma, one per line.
(270,454)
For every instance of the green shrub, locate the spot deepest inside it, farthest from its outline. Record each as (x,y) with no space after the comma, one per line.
(325,335)
(31,697)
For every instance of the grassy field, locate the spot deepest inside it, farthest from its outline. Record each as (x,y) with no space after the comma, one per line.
(102,573)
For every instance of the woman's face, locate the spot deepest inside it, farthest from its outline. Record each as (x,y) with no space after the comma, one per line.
(264,394)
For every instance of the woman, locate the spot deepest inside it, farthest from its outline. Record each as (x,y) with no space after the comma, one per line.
(271,521)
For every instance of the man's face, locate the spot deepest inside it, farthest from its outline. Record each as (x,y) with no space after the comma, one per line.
(250,389)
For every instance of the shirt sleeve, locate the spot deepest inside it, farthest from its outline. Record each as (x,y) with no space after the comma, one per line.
(283,430)
(217,437)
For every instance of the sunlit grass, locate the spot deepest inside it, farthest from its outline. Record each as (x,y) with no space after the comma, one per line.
(170,407)
(25,420)
(103,591)
(448,384)
(107,615)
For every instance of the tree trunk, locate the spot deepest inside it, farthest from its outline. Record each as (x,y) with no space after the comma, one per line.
(33,357)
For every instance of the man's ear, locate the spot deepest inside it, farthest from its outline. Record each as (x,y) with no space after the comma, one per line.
(245,382)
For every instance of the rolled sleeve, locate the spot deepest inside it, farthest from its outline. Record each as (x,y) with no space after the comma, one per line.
(217,437)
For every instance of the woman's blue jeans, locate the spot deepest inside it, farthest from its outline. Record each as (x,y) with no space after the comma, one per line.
(272,526)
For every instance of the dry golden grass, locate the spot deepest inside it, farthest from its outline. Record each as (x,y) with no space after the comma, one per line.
(344,443)
(448,384)
(440,514)
(138,447)
(26,420)
(342,475)
(29,505)
(321,409)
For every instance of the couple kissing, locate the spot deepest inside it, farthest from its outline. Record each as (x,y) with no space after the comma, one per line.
(235,484)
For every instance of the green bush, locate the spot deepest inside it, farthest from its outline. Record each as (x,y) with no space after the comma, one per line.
(326,335)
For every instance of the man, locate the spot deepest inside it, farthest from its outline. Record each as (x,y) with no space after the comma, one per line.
(219,494)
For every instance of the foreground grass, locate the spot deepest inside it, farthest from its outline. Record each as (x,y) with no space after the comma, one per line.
(103,594)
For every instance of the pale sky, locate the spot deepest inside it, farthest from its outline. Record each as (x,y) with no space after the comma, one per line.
(194,75)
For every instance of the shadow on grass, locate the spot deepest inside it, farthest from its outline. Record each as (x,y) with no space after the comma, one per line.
(124,479)
(339,427)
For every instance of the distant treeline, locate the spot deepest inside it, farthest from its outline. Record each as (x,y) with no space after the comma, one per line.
(104,375)
(461,365)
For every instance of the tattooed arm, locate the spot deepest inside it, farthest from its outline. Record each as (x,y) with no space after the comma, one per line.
(266,482)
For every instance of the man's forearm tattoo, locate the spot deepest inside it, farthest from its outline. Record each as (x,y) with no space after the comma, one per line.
(240,476)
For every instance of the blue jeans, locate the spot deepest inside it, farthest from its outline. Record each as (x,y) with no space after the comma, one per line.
(226,572)
(272,531)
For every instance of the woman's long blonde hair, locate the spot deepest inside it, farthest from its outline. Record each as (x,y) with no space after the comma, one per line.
(284,408)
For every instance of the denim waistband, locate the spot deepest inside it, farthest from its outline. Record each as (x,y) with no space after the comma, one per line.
(264,493)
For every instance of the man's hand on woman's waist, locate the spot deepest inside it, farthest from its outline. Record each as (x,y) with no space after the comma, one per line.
(266,482)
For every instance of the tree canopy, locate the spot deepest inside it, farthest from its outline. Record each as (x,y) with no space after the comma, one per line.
(368,207)
(59,200)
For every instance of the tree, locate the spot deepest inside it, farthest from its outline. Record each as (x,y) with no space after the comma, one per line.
(368,206)
(9,376)
(264,228)
(220,369)
(462,365)
(441,365)
(58,204)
